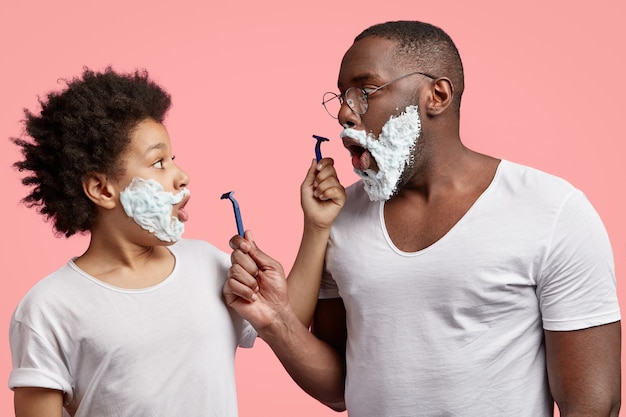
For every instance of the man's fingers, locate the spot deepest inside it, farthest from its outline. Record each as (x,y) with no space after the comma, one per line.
(238,273)
(265,262)
(241,282)
(244,261)
(237,242)
(236,288)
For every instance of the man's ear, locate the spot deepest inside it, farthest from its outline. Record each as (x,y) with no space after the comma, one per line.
(442,94)
(98,189)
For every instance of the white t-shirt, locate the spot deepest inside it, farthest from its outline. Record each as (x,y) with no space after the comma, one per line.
(167,350)
(456,329)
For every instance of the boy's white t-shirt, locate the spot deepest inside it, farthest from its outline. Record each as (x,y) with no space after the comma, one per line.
(167,350)
(457,329)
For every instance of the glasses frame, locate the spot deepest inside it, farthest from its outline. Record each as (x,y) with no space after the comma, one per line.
(364,95)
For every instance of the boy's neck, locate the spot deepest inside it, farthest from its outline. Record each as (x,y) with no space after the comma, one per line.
(127,267)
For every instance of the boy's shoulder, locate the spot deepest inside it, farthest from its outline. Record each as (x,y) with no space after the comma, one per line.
(57,288)
(196,246)
(198,250)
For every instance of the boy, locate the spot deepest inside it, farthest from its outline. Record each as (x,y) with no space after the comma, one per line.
(136,325)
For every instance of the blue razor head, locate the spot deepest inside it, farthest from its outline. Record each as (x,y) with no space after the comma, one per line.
(229,195)
(318,151)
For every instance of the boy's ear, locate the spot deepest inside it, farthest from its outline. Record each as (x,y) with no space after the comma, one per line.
(99,190)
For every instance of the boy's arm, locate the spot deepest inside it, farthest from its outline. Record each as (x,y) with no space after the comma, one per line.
(38,402)
(305,277)
(322,198)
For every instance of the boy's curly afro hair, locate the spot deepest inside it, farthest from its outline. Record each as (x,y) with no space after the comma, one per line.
(81,130)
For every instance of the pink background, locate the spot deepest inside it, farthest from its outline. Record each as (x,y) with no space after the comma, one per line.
(545,87)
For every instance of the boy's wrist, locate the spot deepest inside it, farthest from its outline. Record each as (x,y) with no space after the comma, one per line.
(314,227)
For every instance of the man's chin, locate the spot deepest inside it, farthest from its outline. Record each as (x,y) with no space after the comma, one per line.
(375,185)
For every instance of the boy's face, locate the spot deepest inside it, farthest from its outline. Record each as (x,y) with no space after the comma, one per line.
(153,189)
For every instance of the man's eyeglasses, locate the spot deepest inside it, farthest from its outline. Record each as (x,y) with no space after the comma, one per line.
(356,97)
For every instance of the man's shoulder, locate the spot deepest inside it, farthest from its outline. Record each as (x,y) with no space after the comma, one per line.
(520,177)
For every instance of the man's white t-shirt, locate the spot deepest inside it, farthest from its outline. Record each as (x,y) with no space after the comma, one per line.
(456,329)
(167,350)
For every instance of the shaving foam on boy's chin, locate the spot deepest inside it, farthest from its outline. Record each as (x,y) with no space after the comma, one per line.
(150,206)
(392,151)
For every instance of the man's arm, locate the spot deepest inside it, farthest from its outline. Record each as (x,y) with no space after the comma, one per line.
(281,310)
(584,370)
(38,402)
(312,363)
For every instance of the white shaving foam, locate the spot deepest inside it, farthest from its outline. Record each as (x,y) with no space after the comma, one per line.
(150,206)
(392,151)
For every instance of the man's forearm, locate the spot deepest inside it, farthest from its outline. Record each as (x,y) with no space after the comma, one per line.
(313,364)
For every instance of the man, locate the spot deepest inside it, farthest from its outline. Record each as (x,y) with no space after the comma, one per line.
(455,283)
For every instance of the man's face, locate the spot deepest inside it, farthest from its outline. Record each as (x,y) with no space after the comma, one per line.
(382,141)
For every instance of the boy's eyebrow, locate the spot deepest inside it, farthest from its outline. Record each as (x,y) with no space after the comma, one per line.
(158,146)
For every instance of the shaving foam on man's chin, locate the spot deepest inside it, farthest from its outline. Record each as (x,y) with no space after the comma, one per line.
(391,151)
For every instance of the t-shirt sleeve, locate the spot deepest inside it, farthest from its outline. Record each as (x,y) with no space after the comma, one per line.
(247,335)
(577,287)
(35,361)
(328,287)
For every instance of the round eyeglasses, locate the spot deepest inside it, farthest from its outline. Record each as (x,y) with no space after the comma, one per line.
(356,97)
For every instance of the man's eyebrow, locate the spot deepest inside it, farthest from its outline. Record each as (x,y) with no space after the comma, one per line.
(360,78)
